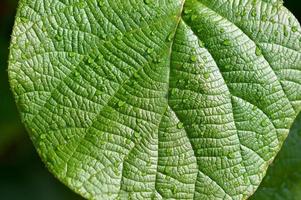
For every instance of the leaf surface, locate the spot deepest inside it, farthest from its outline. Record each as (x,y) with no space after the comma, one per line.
(157,99)
(283,179)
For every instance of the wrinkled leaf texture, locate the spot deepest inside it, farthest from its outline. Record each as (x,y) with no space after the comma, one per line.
(157,99)
(283,179)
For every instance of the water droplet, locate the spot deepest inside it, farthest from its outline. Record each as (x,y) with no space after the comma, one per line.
(127,141)
(253,13)
(143,173)
(157,59)
(264,18)
(119,37)
(194,126)
(167,170)
(41,144)
(121,103)
(173,91)
(187,11)
(180,125)
(76,74)
(294,28)
(43,137)
(174,189)
(103,36)
(201,43)
(69,136)
(136,75)
(228,67)
(60,147)
(23,56)
(58,37)
(99,57)
(150,50)
(100,3)
(222,30)
(90,60)
(139,121)
(227,42)
(274,89)
(206,75)
(71,54)
(147,2)
(246,179)
(116,164)
(231,155)
(102,142)
(185,101)
(264,123)
(285,32)
(111,137)
(193,17)
(170,37)
(181,82)
(44,29)
(290,20)
(82,4)
(193,58)
(236,169)
(258,51)
(243,13)
(237,14)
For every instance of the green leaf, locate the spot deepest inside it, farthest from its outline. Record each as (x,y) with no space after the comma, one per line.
(283,179)
(157,99)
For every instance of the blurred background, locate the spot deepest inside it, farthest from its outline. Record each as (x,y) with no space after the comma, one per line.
(22,174)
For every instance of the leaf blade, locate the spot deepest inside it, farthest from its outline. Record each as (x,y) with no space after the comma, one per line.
(94,94)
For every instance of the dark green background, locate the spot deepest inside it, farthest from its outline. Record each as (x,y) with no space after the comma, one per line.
(22,174)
